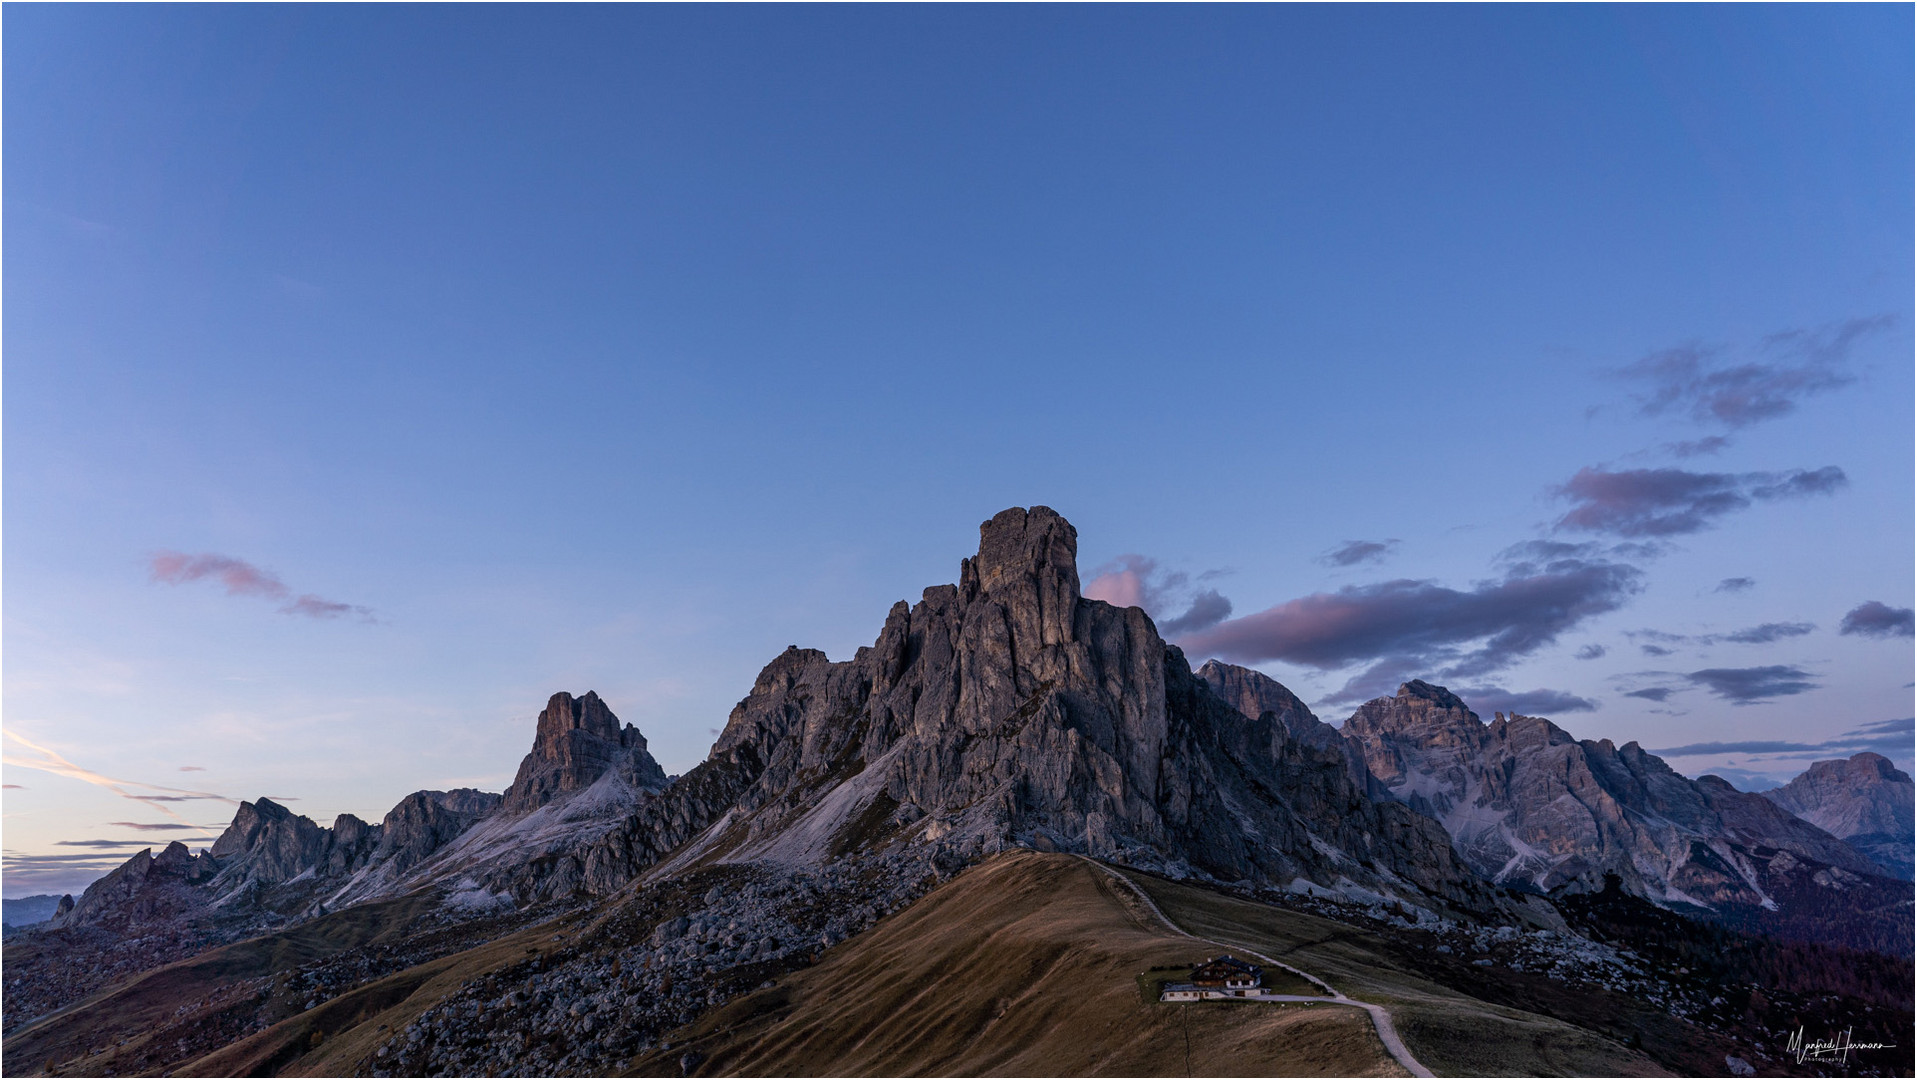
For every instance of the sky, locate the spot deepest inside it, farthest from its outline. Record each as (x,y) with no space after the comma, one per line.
(372,373)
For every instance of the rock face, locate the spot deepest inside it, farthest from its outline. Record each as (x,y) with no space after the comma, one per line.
(1008,709)
(270,844)
(577,741)
(143,891)
(1526,803)
(1865,800)
(1254,694)
(426,821)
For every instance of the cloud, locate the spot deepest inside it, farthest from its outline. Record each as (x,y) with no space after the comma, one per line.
(1652,693)
(1735,584)
(1358,552)
(1753,685)
(192,768)
(1131,581)
(1878,620)
(103,843)
(1493,699)
(1407,627)
(242,578)
(13,787)
(1673,502)
(1138,581)
(144,827)
(1589,652)
(1888,737)
(1207,609)
(46,760)
(1698,447)
(1762,634)
(1764,383)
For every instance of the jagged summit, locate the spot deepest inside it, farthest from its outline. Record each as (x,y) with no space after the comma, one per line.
(1007,710)
(577,741)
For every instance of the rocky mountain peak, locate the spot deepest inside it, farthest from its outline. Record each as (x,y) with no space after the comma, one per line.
(577,741)
(1863,799)
(1009,710)
(1419,690)
(1027,560)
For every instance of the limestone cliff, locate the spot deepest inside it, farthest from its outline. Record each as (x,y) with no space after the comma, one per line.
(1864,800)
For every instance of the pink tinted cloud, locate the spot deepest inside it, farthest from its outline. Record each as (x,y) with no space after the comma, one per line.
(1122,583)
(242,578)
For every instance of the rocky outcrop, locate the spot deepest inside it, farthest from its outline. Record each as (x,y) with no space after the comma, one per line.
(269,844)
(1254,694)
(426,821)
(1864,800)
(146,890)
(1526,803)
(577,741)
(1008,709)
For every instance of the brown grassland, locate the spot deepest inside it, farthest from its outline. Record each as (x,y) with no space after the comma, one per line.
(1028,964)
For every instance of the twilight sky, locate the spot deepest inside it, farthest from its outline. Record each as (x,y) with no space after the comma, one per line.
(372,373)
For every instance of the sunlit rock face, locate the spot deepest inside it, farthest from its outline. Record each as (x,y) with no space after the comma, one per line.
(1526,803)
(1864,800)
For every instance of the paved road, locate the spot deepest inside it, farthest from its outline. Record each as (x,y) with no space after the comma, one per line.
(1380,1019)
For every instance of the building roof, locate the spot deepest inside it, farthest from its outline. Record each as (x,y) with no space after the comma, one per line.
(1220,969)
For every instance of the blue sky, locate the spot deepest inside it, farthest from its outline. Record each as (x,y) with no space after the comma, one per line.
(618,348)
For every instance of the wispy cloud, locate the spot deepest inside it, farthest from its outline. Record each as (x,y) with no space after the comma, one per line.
(1737,388)
(242,578)
(1879,620)
(1710,444)
(1589,652)
(1735,584)
(104,843)
(1761,634)
(1358,552)
(1485,700)
(49,761)
(1674,502)
(192,768)
(1884,737)
(1754,685)
(148,827)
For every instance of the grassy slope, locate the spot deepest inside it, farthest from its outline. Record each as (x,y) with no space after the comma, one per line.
(130,1011)
(1024,966)
(1028,964)
(1450,1032)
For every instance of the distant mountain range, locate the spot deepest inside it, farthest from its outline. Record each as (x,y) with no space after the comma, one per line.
(1008,711)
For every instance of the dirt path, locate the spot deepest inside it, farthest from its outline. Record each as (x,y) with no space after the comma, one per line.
(1380,1019)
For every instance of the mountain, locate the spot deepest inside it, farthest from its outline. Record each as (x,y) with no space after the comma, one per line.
(957,825)
(1008,710)
(1525,802)
(27,910)
(1864,800)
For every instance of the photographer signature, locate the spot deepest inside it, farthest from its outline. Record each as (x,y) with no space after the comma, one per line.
(1836,1048)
